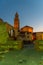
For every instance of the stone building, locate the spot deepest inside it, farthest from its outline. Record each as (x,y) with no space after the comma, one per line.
(25,33)
(26,29)
(38,35)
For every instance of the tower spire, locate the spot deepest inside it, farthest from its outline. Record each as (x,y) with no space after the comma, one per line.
(16,15)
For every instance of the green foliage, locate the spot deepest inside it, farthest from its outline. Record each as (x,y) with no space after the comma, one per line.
(38,44)
(14,44)
(3,33)
(5,43)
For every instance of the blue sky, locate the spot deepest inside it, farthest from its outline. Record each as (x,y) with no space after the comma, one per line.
(30,12)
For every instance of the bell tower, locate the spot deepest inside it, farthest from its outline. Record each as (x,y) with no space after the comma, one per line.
(16,22)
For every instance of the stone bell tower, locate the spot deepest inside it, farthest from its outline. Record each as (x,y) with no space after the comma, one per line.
(16,21)
(16,24)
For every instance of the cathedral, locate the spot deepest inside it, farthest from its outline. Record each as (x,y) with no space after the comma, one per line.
(17,33)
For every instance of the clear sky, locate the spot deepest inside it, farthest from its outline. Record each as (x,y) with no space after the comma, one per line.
(30,12)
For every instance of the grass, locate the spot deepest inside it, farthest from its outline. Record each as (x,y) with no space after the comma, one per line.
(25,56)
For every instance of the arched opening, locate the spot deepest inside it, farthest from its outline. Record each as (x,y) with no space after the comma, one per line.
(28,44)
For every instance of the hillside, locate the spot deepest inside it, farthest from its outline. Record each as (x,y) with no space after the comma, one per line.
(3,33)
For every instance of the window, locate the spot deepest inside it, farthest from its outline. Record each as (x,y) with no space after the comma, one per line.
(11,32)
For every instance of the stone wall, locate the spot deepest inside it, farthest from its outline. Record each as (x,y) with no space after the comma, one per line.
(8,27)
(39,35)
